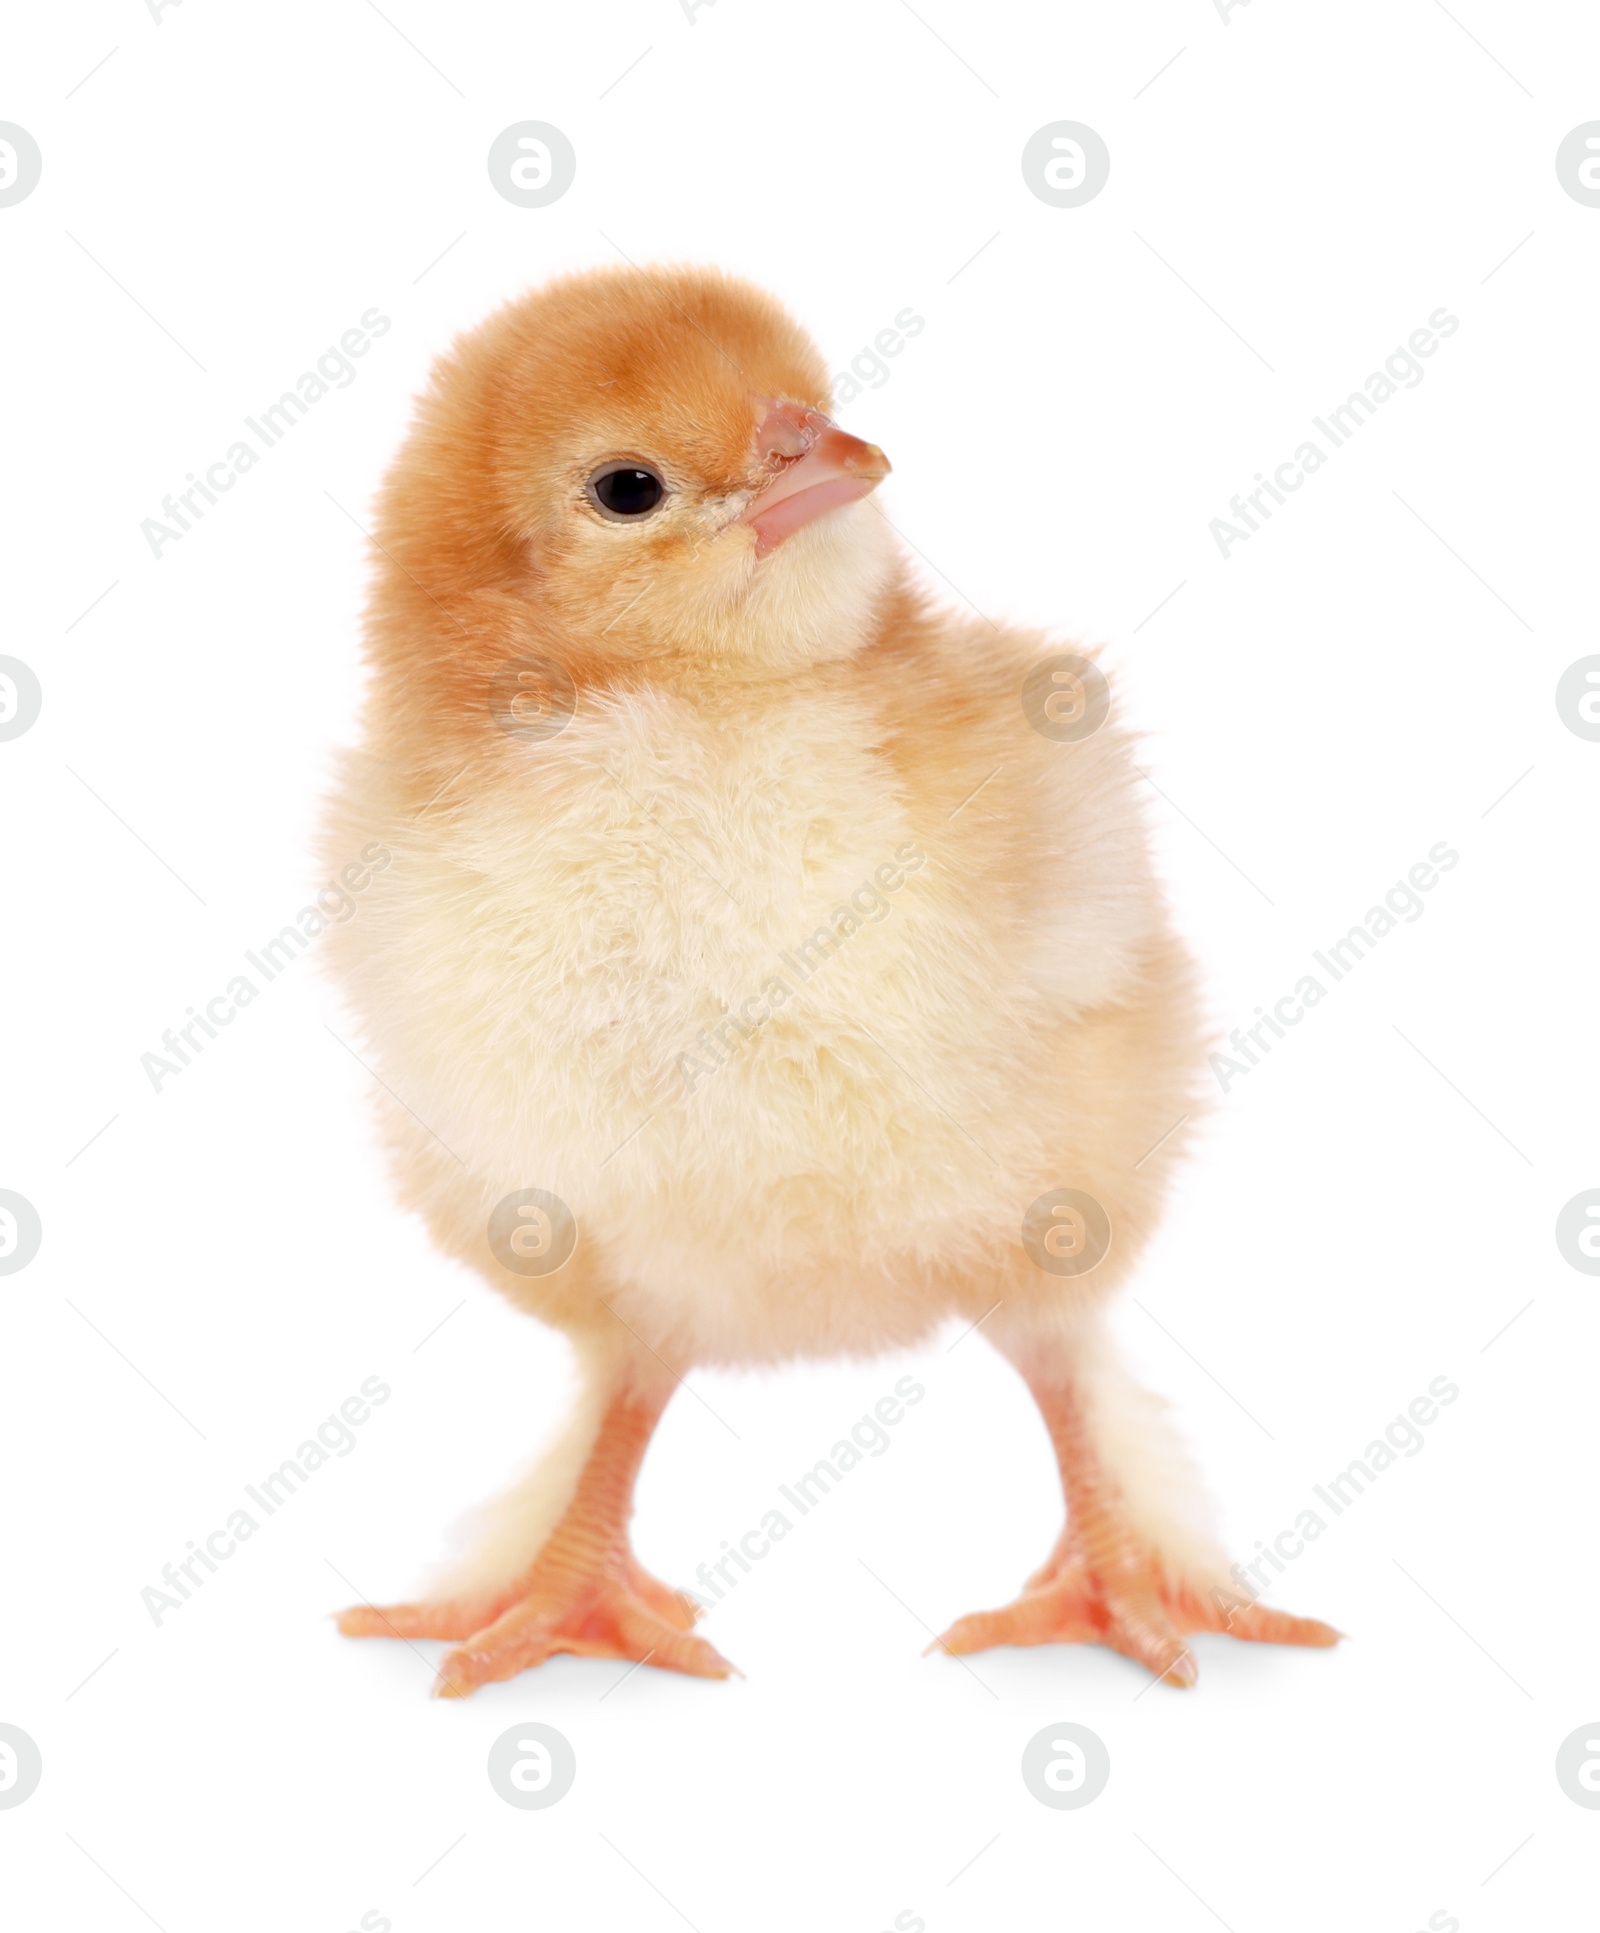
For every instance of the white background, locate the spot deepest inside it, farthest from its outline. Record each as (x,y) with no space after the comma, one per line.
(1367,1211)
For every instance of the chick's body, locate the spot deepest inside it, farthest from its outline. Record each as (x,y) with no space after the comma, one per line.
(736,902)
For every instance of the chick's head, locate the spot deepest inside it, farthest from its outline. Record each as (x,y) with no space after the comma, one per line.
(646,458)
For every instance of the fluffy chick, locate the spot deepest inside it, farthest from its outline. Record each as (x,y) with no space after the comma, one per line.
(749,966)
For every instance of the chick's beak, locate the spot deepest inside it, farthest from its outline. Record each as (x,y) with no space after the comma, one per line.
(821,467)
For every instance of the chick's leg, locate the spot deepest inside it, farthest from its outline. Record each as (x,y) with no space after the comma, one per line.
(585,1592)
(1108,1581)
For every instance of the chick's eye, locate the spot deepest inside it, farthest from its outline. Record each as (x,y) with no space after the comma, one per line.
(626,492)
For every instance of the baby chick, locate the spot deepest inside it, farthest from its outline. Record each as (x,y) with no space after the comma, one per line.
(769,963)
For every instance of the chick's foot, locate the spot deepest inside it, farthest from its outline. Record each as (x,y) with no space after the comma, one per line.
(584,1591)
(1105,1582)
(614,1610)
(1133,1608)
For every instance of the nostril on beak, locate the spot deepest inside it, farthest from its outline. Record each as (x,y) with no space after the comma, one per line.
(786,429)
